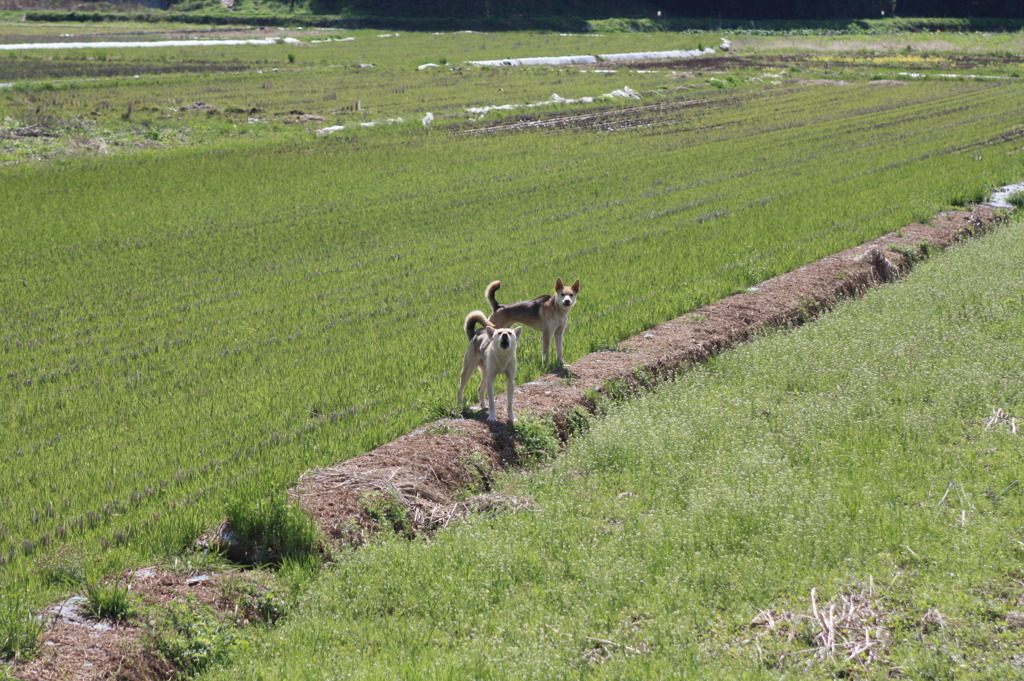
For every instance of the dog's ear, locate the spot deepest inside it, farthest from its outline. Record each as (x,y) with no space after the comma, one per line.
(489,330)
(518,330)
(576,286)
(558,284)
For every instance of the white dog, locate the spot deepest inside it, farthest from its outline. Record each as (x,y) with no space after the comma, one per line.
(493,351)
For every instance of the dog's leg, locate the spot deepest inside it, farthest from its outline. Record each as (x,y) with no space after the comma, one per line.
(492,414)
(559,334)
(492,410)
(510,379)
(467,371)
(481,391)
(546,338)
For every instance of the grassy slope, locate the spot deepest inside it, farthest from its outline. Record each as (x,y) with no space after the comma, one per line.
(845,456)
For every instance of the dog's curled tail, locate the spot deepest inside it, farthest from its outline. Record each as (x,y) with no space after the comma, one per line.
(472,319)
(491,288)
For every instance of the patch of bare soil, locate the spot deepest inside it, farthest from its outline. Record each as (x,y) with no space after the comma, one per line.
(26,131)
(81,648)
(821,81)
(662,113)
(420,481)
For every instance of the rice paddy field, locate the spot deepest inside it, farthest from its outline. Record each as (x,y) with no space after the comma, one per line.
(201,298)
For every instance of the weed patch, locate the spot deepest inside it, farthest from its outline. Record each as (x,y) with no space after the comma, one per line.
(20,629)
(64,567)
(536,439)
(272,530)
(256,599)
(193,638)
(914,254)
(385,509)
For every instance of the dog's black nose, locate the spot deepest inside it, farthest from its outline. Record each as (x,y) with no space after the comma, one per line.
(504,342)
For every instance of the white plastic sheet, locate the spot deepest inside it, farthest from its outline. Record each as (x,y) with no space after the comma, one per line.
(146,43)
(650,56)
(592,59)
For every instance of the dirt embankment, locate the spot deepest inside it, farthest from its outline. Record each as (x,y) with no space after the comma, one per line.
(419,482)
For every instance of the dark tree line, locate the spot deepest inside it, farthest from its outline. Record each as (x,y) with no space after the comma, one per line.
(844,9)
(498,8)
(726,9)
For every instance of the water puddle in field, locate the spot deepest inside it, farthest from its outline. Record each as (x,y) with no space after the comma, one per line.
(148,43)
(1000,197)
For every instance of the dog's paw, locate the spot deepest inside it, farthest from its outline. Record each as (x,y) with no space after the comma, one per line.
(491,418)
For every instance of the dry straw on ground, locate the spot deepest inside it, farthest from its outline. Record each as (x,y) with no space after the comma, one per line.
(851,627)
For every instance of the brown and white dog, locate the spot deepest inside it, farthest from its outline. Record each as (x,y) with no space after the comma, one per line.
(493,351)
(548,314)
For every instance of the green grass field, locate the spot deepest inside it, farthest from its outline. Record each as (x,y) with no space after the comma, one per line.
(188,325)
(854,457)
(196,309)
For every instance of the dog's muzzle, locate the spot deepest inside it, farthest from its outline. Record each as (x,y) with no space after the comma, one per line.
(504,343)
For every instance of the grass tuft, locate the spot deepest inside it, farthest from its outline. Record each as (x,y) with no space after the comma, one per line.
(20,629)
(274,529)
(256,599)
(111,600)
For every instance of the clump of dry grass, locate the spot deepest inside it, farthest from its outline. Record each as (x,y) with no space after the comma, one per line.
(439,516)
(884,269)
(601,650)
(1000,417)
(853,627)
(932,620)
